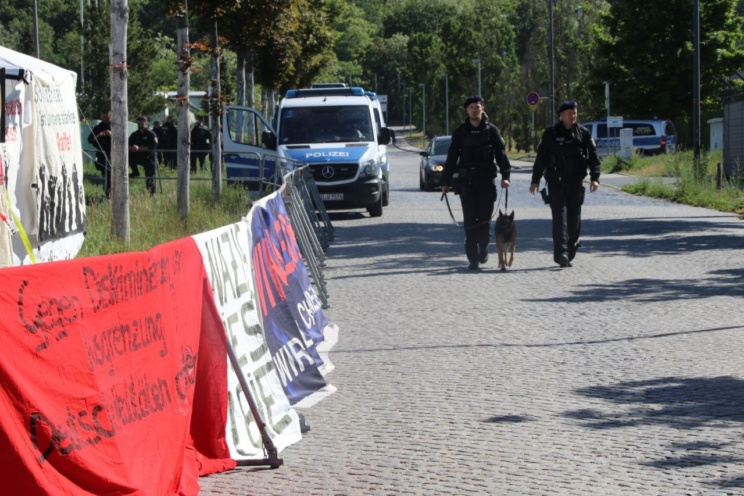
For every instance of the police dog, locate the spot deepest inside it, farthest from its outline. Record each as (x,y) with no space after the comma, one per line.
(506,239)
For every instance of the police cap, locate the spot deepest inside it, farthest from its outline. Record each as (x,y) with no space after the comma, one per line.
(568,104)
(473,99)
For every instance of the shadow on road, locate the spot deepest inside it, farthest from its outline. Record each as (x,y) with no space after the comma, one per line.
(718,283)
(681,403)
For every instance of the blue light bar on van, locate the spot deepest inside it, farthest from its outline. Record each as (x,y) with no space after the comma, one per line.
(305,92)
(371,94)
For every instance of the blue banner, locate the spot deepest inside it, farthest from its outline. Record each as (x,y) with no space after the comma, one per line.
(291,313)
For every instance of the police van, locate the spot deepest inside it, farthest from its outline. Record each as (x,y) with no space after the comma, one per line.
(249,148)
(382,149)
(334,131)
(650,137)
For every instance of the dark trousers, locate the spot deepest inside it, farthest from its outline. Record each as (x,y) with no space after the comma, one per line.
(199,157)
(149,165)
(103,164)
(477,197)
(566,198)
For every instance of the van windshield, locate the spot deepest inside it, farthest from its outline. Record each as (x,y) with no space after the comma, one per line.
(308,125)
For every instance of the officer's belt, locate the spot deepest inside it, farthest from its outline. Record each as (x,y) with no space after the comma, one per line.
(471,171)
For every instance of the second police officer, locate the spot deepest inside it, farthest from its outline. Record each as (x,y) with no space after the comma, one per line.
(564,154)
(476,148)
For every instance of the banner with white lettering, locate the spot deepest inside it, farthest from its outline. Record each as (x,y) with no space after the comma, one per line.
(290,311)
(225,252)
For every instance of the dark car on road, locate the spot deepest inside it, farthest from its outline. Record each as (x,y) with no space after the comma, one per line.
(432,162)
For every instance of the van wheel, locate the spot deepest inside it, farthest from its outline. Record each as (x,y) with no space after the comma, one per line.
(376,209)
(421,183)
(386,195)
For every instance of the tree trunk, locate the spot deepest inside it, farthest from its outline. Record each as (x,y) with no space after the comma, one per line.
(251,81)
(241,79)
(119,16)
(183,168)
(215,113)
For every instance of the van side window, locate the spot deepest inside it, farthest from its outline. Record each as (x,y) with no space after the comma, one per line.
(241,127)
(589,127)
(642,129)
(601,130)
(669,128)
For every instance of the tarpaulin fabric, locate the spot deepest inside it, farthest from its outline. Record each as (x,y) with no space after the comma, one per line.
(290,311)
(225,253)
(112,370)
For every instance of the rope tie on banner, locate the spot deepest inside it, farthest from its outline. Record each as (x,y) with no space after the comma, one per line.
(19,226)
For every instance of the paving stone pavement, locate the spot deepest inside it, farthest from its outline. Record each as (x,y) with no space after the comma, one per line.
(619,376)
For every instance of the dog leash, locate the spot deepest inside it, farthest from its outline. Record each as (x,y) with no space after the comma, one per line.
(444,197)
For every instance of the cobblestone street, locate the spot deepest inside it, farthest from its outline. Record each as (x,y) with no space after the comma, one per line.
(619,376)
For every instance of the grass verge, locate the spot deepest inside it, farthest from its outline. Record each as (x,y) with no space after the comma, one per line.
(154,219)
(690,188)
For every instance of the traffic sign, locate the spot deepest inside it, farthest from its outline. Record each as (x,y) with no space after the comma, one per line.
(615,121)
(533,98)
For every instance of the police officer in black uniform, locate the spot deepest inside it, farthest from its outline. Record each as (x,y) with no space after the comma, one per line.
(564,154)
(201,144)
(476,148)
(100,138)
(142,146)
(170,142)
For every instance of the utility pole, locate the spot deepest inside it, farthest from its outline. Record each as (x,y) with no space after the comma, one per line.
(446,103)
(477,61)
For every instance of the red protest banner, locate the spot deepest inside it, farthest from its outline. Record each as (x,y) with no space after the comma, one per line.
(112,375)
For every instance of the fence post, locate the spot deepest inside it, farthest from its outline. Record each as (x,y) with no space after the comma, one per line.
(719,177)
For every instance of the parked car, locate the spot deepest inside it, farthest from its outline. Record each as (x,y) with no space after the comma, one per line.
(432,162)
(650,137)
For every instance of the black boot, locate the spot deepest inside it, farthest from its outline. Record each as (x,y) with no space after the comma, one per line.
(483,253)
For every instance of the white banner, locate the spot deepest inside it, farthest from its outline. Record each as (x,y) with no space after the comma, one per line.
(226,255)
(43,158)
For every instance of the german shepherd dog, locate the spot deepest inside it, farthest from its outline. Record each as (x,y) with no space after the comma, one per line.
(506,239)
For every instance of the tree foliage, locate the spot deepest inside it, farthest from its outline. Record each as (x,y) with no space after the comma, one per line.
(646,53)
(644,49)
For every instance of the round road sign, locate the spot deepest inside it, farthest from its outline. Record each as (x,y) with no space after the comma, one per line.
(533,98)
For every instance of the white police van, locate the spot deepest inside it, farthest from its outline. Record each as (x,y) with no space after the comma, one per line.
(334,131)
(650,136)
(382,149)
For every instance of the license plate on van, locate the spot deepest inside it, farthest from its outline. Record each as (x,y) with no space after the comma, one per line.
(332,196)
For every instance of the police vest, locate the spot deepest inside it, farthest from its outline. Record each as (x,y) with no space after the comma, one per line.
(568,150)
(476,151)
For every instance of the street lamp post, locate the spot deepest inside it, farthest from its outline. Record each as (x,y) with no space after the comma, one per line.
(477,61)
(446,102)
(423,119)
(552,64)
(410,111)
(696,90)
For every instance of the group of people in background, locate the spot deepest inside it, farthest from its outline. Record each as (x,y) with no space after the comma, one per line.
(149,148)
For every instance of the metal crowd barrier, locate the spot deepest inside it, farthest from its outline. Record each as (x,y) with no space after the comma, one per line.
(310,220)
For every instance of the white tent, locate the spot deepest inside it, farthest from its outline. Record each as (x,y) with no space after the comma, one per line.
(42,162)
